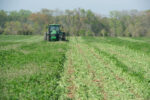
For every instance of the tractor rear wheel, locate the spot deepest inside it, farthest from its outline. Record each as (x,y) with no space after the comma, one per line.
(63,36)
(57,37)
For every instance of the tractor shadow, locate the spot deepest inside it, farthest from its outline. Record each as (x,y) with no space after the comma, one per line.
(59,41)
(66,40)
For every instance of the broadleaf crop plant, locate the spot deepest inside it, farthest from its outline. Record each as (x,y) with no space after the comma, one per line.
(84,68)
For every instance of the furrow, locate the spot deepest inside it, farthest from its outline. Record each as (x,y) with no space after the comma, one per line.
(115,75)
(99,82)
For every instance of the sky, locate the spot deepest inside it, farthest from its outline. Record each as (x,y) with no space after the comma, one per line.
(98,6)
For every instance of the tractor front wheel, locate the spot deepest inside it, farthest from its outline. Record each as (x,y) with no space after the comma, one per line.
(57,37)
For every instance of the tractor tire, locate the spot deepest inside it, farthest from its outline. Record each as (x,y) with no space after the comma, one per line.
(57,37)
(63,37)
(45,37)
(49,38)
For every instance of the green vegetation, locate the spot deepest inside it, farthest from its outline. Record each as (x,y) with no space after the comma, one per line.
(107,68)
(77,22)
(85,68)
(30,67)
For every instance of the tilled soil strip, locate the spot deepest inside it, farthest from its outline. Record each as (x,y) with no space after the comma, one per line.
(116,76)
(71,87)
(99,82)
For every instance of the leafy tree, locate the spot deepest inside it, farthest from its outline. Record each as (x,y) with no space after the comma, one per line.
(12,27)
(1,30)
(26,29)
(77,22)
(3,18)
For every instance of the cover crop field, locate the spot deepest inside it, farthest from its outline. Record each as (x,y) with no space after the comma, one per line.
(84,68)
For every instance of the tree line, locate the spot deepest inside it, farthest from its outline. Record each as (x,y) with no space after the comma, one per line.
(77,22)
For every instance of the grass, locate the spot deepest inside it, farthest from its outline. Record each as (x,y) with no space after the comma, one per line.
(85,68)
(127,57)
(106,68)
(32,69)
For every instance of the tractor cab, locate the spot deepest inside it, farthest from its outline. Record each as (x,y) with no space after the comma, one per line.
(54,28)
(55,33)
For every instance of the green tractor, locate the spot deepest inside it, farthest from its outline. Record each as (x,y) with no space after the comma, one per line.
(55,33)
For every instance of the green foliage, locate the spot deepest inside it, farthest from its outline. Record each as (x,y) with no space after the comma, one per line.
(30,68)
(120,23)
(3,18)
(12,27)
(82,32)
(84,68)
(1,30)
(99,68)
(26,30)
(124,54)
(103,32)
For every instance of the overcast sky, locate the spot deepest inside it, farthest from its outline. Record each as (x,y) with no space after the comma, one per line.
(98,6)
